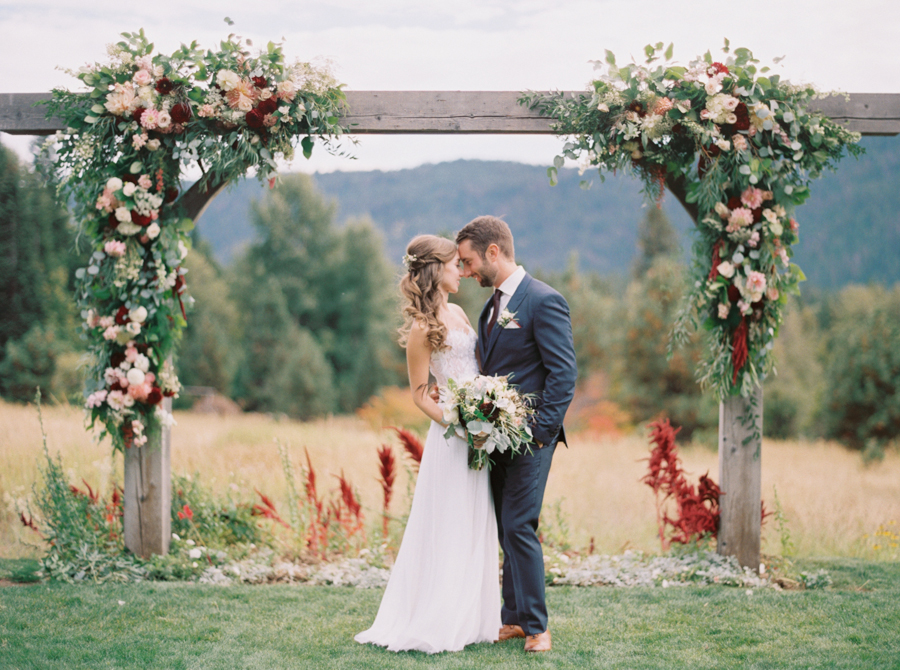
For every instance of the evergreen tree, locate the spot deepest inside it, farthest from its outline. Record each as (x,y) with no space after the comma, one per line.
(328,291)
(38,321)
(657,238)
(208,354)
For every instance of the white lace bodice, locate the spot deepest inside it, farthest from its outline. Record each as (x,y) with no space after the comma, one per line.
(458,361)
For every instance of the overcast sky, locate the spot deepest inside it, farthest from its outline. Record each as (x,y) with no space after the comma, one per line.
(507,45)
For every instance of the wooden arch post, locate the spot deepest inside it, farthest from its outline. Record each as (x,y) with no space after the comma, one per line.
(147,471)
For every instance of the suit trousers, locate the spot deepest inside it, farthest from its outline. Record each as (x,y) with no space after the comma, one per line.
(517,484)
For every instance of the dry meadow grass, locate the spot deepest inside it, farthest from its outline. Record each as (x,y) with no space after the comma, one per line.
(831,500)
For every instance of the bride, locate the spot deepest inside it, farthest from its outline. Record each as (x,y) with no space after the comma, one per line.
(443,592)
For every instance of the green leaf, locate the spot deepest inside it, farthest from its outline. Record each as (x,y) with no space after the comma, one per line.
(558,162)
(98,109)
(552,176)
(307,144)
(610,57)
(186,225)
(671,50)
(136,167)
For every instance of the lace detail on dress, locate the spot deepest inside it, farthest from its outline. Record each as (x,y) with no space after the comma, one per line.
(457,362)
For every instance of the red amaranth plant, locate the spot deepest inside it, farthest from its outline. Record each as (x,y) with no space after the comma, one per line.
(267,509)
(333,524)
(697,508)
(317,539)
(412,445)
(387,468)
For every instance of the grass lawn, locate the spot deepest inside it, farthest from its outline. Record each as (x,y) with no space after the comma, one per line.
(853,624)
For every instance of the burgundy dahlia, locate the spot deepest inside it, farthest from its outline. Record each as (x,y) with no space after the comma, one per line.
(122,315)
(259,82)
(181,113)
(164,86)
(140,219)
(155,396)
(268,105)
(255,118)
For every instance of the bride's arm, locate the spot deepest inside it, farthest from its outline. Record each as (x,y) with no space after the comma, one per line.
(418,356)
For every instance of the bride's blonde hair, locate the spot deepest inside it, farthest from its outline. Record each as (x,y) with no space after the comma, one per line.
(420,287)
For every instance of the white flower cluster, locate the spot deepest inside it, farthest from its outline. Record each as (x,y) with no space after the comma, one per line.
(487,411)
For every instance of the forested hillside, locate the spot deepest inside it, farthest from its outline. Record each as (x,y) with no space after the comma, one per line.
(852,218)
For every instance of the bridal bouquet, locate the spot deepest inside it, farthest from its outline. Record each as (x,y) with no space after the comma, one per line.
(490,415)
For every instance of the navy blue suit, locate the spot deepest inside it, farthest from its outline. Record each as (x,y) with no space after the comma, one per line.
(540,357)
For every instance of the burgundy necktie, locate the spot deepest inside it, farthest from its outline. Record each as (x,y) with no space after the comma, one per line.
(496,302)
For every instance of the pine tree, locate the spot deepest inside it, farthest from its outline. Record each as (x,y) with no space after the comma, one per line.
(657,238)
(38,320)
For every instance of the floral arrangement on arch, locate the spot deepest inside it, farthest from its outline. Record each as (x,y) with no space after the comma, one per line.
(742,146)
(144,120)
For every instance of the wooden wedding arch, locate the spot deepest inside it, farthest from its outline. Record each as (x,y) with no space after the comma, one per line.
(147,468)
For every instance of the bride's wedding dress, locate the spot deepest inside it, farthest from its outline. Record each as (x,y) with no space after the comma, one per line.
(443,592)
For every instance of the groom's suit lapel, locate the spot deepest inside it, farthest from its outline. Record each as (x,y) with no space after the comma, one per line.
(513,305)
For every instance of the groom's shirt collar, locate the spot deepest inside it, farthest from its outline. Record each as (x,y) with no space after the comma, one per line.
(508,287)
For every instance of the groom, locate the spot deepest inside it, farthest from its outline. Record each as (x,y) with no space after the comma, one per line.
(525,332)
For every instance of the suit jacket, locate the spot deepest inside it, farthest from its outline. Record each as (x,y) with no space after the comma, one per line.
(539,355)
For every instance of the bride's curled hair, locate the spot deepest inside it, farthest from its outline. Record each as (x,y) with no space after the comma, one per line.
(420,287)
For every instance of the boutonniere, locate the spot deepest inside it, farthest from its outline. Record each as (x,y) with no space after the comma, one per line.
(507,319)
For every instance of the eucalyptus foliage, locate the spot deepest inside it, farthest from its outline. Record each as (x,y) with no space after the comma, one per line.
(144,119)
(742,147)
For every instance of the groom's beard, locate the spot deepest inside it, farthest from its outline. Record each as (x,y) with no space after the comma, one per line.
(486,276)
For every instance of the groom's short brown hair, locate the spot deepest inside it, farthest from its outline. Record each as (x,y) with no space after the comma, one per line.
(484,231)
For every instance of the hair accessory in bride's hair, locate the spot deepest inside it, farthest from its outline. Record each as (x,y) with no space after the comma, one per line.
(408,260)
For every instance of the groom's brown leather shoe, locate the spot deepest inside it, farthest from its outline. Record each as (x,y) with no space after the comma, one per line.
(538,642)
(509,631)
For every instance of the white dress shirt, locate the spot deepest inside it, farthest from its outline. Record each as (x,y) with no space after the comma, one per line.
(507,289)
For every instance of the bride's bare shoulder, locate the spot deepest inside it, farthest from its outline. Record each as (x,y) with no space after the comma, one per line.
(460,314)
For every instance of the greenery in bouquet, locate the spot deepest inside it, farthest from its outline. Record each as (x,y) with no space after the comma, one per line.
(144,119)
(742,146)
(490,414)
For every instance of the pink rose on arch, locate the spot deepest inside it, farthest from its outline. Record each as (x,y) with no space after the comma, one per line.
(142,78)
(772,293)
(144,182)
(756,283)
(794,225)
